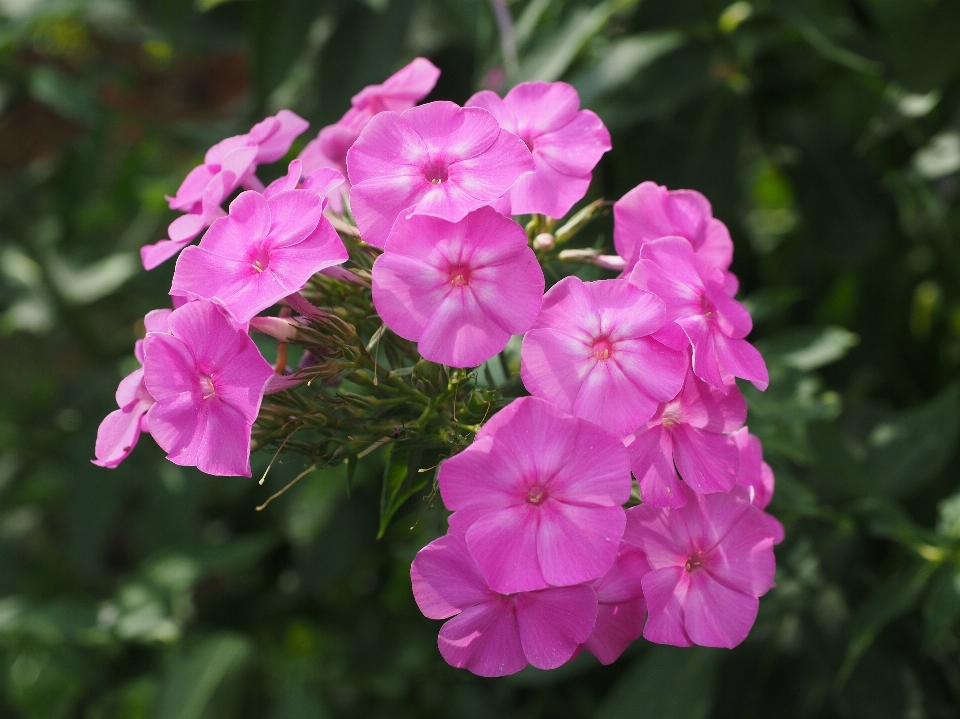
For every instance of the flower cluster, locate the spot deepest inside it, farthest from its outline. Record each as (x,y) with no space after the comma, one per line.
(623,497)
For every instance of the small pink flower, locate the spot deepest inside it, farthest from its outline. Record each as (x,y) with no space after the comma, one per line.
(399,92)
(650,211)
(699,313)
(539,494)
(622,609)
(229,164)
(207,378)
(756,476)
(494,634)
(120,430)
(591,353)
(710,561)
(263,251)
(459,290)
(686,435)
(566,142)
(437,159)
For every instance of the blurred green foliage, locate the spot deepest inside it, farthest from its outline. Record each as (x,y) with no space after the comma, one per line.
(825,132)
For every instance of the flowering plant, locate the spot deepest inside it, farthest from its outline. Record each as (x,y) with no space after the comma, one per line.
(398,287)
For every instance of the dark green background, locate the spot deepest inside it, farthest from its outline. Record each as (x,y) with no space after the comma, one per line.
(825,132)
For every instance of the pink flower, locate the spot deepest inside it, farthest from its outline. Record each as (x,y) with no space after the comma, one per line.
(459,290)
(566,145)
(207,378)
(591,353)
(699,313)
(710,561)
(539,494)
(686,435)
(399,92)
(120,430)
(227,165)
(756,476)
(494,634)
(437,159)
(622,609)
(650,211)
(263,251)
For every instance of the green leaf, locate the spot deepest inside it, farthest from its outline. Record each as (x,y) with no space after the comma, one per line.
(808,348)
(194,678)
(941,606)
(948,519)
(667,682)
(400,480)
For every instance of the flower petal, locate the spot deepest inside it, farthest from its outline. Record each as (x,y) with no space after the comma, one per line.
(553,623)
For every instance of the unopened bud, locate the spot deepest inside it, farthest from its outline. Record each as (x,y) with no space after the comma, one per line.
(544,241)
(593,257)
(280,328)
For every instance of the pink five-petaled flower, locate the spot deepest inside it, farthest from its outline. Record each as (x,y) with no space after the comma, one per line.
(263,251)
(459,290)
(494,634)
(650,211)
(622,609)
(539,494)
(120,430)
(709,561)
(756,476)
(686,435)
(699,313)
(566,142)
(207,378)
(226,166)
(590,353)
(437,159)
(397,93)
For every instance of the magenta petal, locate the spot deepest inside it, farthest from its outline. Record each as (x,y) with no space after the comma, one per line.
(156,254)
(453,131)
(707,462)
(542,107)
(494,104)
(667,593)
(406,292)
(755,475)
(741,359)
(622,583)
(651,460)
(406,86)
(554,365)
(609,398)
(248,222)
(289,127)
(178,428)
(711,409)
(618,626)
(169,367)
(489,175)
(546,191)
(702,337)
(577,544)
(460,334)
(576,148)
(224,447)
(484,639)
(387,147)
(717,247)
(554,622)
(661,533)
(287,182)
(446,579)
(294,214)
(117,436)
(377,203)
(504,545)
(186,227)
(715,615)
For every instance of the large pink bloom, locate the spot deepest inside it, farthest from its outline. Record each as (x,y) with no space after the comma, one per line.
(699,312)
(397,93)
(687,435)
(120,430)
(459,290)
(591,353)
(494,634)
(263,251)
(437,159)
(566,142)
(710,561)
(539,493)
(622,609)
(650,211)
(207,378)
(227,165)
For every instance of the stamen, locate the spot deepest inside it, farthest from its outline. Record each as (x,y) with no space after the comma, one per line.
(536,495)
(602,349)
(459,281)
(692,563)
(206,384)
(257,266)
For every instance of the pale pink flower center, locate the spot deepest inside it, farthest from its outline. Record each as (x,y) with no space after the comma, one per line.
(436,172)
(259,259)
(602,349)
(536,494)
(671,415)
(206,387)
(528,141)
(706,306)
(459,275)
(694,562)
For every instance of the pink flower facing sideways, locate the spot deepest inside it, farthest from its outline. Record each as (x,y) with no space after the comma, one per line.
(591,353)
(756,476)
(459,290)
(120,430)
(650,211)
(622,608)
(227,165)
(397,93)
(207,378)
(710,561)
(699,313)
(491,633)
(566,142)
(263,251)
(437,159)
(687,435)
(539,494)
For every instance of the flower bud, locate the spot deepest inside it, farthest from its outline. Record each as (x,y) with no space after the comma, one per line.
(544,242)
